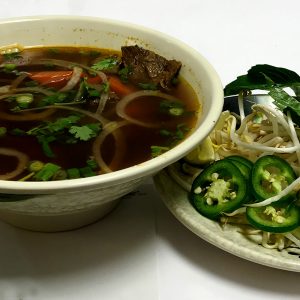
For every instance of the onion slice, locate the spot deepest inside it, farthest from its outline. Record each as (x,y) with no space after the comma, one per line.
(108,129)
(22,162)
(121,106)
(76,74)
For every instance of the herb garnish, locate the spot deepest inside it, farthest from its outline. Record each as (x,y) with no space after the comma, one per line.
(124,74)
(272,79)
(64,130)
(106,64)
(173,108)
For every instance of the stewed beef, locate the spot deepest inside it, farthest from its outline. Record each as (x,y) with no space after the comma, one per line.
(145,66)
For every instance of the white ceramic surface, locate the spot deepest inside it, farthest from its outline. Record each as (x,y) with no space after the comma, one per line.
(80,196)
(227,238)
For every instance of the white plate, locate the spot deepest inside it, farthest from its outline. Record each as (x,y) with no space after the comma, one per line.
(228,238)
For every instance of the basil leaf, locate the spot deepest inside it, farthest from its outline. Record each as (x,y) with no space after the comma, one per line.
(286,102)
(263,77)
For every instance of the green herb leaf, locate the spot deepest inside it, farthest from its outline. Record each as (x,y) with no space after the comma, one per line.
(11,56)
(106,64)
(285,102)
(263,77)
(52,99)
(18,132)
(124,74)
(83,133)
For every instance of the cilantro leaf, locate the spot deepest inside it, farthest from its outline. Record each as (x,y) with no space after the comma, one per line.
(124,74)
(106,64)
(83,133)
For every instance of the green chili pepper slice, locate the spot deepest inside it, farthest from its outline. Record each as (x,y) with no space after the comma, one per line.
(270,175)
(244,165)
(276,218)
(220,188)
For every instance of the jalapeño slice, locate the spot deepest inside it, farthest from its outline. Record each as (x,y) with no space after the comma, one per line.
(220,188)
(276,218)
(270,175)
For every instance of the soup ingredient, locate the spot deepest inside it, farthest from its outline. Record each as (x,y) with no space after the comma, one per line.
(270,175)
(46,172)
(219,188)
(145,66)
(274,218)
(64,130)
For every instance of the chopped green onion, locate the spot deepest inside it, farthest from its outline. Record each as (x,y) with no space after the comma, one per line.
(35,166)
(87,172)
(165,132)
(60,175)
(176,111)
(24,100)
(92,164)
(9,67)
(47,172)
(18,132)
(3,132)
(73,173)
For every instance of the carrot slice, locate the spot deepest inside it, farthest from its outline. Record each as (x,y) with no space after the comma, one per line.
(51,78)
(117,86)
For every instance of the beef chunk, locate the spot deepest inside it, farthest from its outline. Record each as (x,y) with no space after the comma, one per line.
(148,67)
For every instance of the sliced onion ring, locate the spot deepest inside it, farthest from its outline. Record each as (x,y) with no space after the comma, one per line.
(76,74)
(121,106)
(109,128)
(22,162)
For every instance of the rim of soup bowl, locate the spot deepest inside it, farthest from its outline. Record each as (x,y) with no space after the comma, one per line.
(149,167)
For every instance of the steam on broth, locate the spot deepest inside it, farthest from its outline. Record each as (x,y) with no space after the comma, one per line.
(72,112)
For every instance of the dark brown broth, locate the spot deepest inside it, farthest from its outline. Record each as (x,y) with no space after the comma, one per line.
(138,139)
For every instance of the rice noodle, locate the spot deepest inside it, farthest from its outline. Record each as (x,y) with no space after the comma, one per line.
(76,74)
(108,129)
(121,105)
(22,162)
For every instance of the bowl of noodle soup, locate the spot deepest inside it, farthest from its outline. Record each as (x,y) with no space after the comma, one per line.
(57,101)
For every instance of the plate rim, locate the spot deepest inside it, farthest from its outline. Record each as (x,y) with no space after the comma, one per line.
(180,213)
